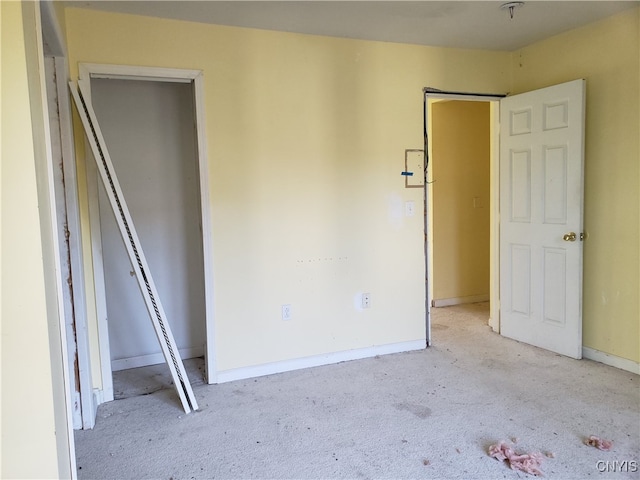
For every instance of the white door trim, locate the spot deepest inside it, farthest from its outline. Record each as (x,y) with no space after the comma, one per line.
(66,183)
(88,71)
(35,22)
(494,261)
(106,394)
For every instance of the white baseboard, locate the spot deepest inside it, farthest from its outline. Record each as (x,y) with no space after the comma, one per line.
(98,398)
(448,302)
(76,412)
(317,360)
(611,360)
(153,359)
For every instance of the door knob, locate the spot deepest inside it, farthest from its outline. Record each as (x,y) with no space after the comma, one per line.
(570,237)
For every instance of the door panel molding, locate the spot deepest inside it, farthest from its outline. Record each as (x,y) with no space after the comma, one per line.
(552,195)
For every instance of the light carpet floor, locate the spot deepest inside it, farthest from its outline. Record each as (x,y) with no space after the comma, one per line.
(425,414)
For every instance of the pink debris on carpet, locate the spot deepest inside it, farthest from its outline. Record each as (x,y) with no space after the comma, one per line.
(528,462)
(599,443)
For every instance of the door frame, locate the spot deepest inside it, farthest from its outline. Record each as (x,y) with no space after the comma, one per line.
(494,201)
(87,72)
(70,234)
(41,28)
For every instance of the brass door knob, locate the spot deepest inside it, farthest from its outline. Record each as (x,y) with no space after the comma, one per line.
(570,237)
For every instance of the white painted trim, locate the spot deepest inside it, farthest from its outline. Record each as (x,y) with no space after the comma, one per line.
(494,206)
(448,302)
(98,397)
(318,360)
(611,360)
(466,98)
(98,276)
(152,359)
(75,244)
(207,227)
(132,72)
(61,219)
(49,228)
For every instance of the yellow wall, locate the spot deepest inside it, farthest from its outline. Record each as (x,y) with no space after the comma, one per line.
(607,55)
(33,412)
(460,134)
(306,139)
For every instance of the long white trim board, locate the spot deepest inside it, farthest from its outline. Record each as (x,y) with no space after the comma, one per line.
(611,360)
(318,360)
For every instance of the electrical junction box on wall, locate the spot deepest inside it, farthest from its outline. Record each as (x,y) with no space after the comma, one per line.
(414,168)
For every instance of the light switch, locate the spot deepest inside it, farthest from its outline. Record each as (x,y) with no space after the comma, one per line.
(409,209)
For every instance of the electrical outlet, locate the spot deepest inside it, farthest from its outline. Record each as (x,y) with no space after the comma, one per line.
(366,300)
(286,312)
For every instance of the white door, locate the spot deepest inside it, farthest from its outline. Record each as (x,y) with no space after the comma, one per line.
(541,197)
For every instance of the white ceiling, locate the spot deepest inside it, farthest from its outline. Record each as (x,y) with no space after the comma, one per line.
(460,24)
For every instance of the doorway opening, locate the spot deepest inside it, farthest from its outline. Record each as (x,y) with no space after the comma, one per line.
(152,122)
(149,132)
(461,193)
(536,185)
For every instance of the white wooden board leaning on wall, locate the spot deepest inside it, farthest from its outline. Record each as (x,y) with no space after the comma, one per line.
(134,249)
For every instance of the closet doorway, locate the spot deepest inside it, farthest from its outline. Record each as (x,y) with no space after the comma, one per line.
(154,133)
